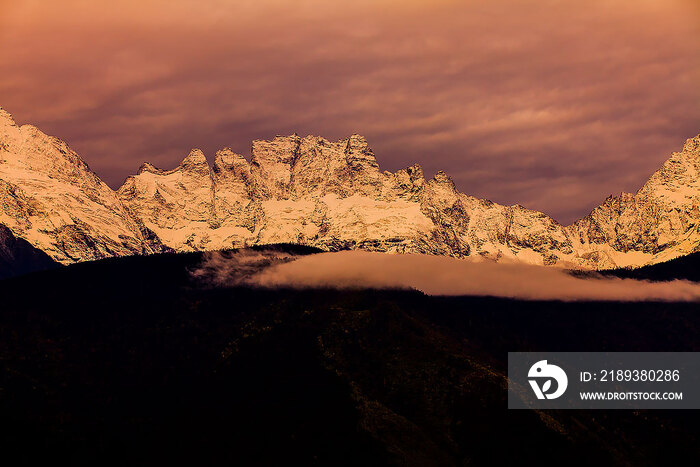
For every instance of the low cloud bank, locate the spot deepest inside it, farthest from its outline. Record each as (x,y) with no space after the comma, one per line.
(436,275)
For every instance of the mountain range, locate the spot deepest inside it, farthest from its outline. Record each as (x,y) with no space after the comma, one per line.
(329,195)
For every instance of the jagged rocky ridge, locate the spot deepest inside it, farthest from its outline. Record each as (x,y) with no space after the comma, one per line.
(330,195)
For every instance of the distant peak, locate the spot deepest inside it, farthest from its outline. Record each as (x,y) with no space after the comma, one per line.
(357,151)
(281,149)
(278,139)
(442,178)
(224,152)
(194,159)
(415,171)
(6,118)
(357,141)
(357,138)
(227,152)
(692,144)
(226,158)
(147,167)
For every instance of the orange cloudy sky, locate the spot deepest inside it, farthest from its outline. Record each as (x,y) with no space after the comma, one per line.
(550,104)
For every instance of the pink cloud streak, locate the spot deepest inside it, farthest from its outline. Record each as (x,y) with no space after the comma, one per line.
(435,275)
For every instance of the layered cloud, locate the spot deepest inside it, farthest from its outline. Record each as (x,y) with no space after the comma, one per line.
(436,275)
(550,104)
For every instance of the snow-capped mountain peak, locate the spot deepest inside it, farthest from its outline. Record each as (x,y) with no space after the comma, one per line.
(6,118)
(327,194)
(50,198)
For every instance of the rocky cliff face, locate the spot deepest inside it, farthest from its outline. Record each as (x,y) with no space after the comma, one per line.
(49,197)
(326,194)
(661,221)
(330,195)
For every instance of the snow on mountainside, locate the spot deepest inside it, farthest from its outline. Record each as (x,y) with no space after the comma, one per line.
(49,197)
(331,195)
(660,222)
